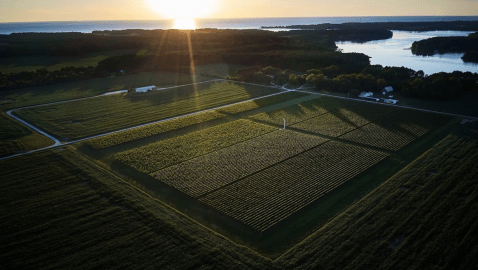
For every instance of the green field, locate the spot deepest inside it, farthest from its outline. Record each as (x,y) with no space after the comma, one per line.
(398,130)
(32,63)
(158,155)
(59,210)
(199,176)
(258,175)
(79,214)
(17,98)
(218,70)
(188,120)
(87,117)
(15,137)
(347,185)
(271,195)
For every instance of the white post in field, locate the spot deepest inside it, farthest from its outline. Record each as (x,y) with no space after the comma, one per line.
(284,122)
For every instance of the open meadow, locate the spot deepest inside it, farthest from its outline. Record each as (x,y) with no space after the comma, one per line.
(88,117)
(32,63)
(17,98)
(15,137)
(229,187)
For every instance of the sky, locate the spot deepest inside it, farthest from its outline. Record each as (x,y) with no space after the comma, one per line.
(84,10)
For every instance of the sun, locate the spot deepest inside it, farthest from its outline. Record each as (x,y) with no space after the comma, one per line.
(184,24)
(183,9)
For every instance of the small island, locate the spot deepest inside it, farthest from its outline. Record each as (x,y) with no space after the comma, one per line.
(441,45)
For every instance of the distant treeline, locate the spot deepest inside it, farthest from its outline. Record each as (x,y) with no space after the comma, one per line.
(43,76)
(64,44)
(439,86)
(441,45)
(346,34)
(311,54)
(404,26)
(169,50)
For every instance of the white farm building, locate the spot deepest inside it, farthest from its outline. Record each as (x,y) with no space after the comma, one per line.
(145,89)
(387,90)
(366,94)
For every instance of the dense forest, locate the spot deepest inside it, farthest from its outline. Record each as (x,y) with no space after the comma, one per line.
(169,50)
(296,57)
(403,26)
(439,86)
(441,45)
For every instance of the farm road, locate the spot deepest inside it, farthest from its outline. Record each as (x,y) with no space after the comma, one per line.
(58,143)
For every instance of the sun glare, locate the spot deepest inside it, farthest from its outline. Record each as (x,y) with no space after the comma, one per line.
(184,24)
(183,9)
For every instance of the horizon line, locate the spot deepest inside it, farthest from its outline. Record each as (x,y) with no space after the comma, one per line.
(165,19)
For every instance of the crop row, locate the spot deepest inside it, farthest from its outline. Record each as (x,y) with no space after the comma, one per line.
(156,156)
(259,103)
(184,121)
(11,129)
(153,129)
(292,114)
(394,132)
(342,120)
(329,124)
(206,173)
(357,113)
(266,198)
(83,118)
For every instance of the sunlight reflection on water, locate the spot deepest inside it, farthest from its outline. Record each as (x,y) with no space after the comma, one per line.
(396,52)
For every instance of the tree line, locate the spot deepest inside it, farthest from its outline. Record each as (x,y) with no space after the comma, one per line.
(408,82)
(441,45)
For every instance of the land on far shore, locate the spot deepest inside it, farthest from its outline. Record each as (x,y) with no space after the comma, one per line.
(402,26)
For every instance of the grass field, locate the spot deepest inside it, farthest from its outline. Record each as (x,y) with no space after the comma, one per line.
(204,174)
(155,156)
(218,70)
(259,176)
(17,98)
(398,130)
(422,217)
(78,215)
(32,63)
(15,137)
(347,185)
(266,198)
(188,120)
(83,118)
(59,210)
(350,112)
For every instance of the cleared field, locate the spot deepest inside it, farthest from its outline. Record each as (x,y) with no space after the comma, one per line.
(63,212)
(349,111)
(259,103)
(329,124)
(153,129)
(11,129)
(16,98)
(349,116)
(60,211)
(294,113)
(83,118)
(398,130)
(263,177)
(188,120)
(217,70)
(422,217)
(271,195)
(32,63)
(206,173)
(155,156)
(16,137)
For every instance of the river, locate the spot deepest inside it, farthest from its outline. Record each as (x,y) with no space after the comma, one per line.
(396,52)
